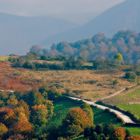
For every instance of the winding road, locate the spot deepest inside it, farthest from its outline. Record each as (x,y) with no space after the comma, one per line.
(126,119)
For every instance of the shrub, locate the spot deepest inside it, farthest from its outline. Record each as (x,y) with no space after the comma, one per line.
(131,76)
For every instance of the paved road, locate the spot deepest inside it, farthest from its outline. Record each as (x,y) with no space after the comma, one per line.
(126,119)
(10,91)
(123,117)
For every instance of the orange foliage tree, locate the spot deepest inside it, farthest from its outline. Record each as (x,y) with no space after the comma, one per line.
(75,122)
(22,125)
(3,129)
(120,133)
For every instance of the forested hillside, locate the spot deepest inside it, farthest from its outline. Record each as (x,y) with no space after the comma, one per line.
(99,47)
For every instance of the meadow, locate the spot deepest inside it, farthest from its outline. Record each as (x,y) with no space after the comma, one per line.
(86,84)
(62,107)
(4,58)
(128,101)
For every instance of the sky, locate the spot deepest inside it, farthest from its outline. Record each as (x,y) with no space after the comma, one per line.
(76,11)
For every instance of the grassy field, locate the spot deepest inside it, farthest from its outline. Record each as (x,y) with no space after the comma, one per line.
(135,131)
(128,101)
(133,108)
(62,107)
(4,58)
(100,117)
(87,84)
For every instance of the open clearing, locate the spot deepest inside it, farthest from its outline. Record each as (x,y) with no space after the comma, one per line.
(100,117)
(128,101)
(86,84)
(62,107)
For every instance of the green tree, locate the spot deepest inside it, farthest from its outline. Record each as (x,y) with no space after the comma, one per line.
(39,118)
(131,76)
(119,58)
(88,110)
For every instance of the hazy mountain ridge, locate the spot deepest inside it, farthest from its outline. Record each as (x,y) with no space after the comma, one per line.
(124,16)
(19,33)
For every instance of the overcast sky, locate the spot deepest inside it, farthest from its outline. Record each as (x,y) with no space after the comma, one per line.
(73,10)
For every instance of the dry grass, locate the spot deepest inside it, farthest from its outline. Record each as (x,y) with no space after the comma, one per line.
(4,58)
(129,97)
(83,83)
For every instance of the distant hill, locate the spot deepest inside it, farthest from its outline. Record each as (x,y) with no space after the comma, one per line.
(124,16)
(18,33)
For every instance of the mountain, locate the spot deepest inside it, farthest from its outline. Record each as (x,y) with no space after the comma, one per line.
(124,16)
(18,33)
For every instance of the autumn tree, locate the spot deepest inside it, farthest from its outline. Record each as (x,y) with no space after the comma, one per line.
(39,117)
(22,125)
(88,110)
(34,98)
(3,129)
(12,101)
(8,116)
(119,133)
(24,107)
(75,122)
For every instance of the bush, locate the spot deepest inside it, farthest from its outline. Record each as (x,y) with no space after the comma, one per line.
(131,76)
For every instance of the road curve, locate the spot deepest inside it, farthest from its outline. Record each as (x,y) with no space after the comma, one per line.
(126,119)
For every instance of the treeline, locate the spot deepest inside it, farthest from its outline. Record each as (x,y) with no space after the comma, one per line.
(59,63)
(99,47)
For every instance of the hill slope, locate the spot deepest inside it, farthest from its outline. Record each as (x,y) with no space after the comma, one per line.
(124,16)
(19,33)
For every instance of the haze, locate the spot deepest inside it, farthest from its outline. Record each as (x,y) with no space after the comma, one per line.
(77,11)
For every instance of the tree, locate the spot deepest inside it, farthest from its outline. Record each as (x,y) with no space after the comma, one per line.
(50,108)
(88,110)
(73,63)
(108,130)
(119,58)
(22,125)
(75,122)
(7,116)
(40,115)
(131,76)
(34,98)
(120,133)
(24,107)
(3,129)
(99,129)
(12,100)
